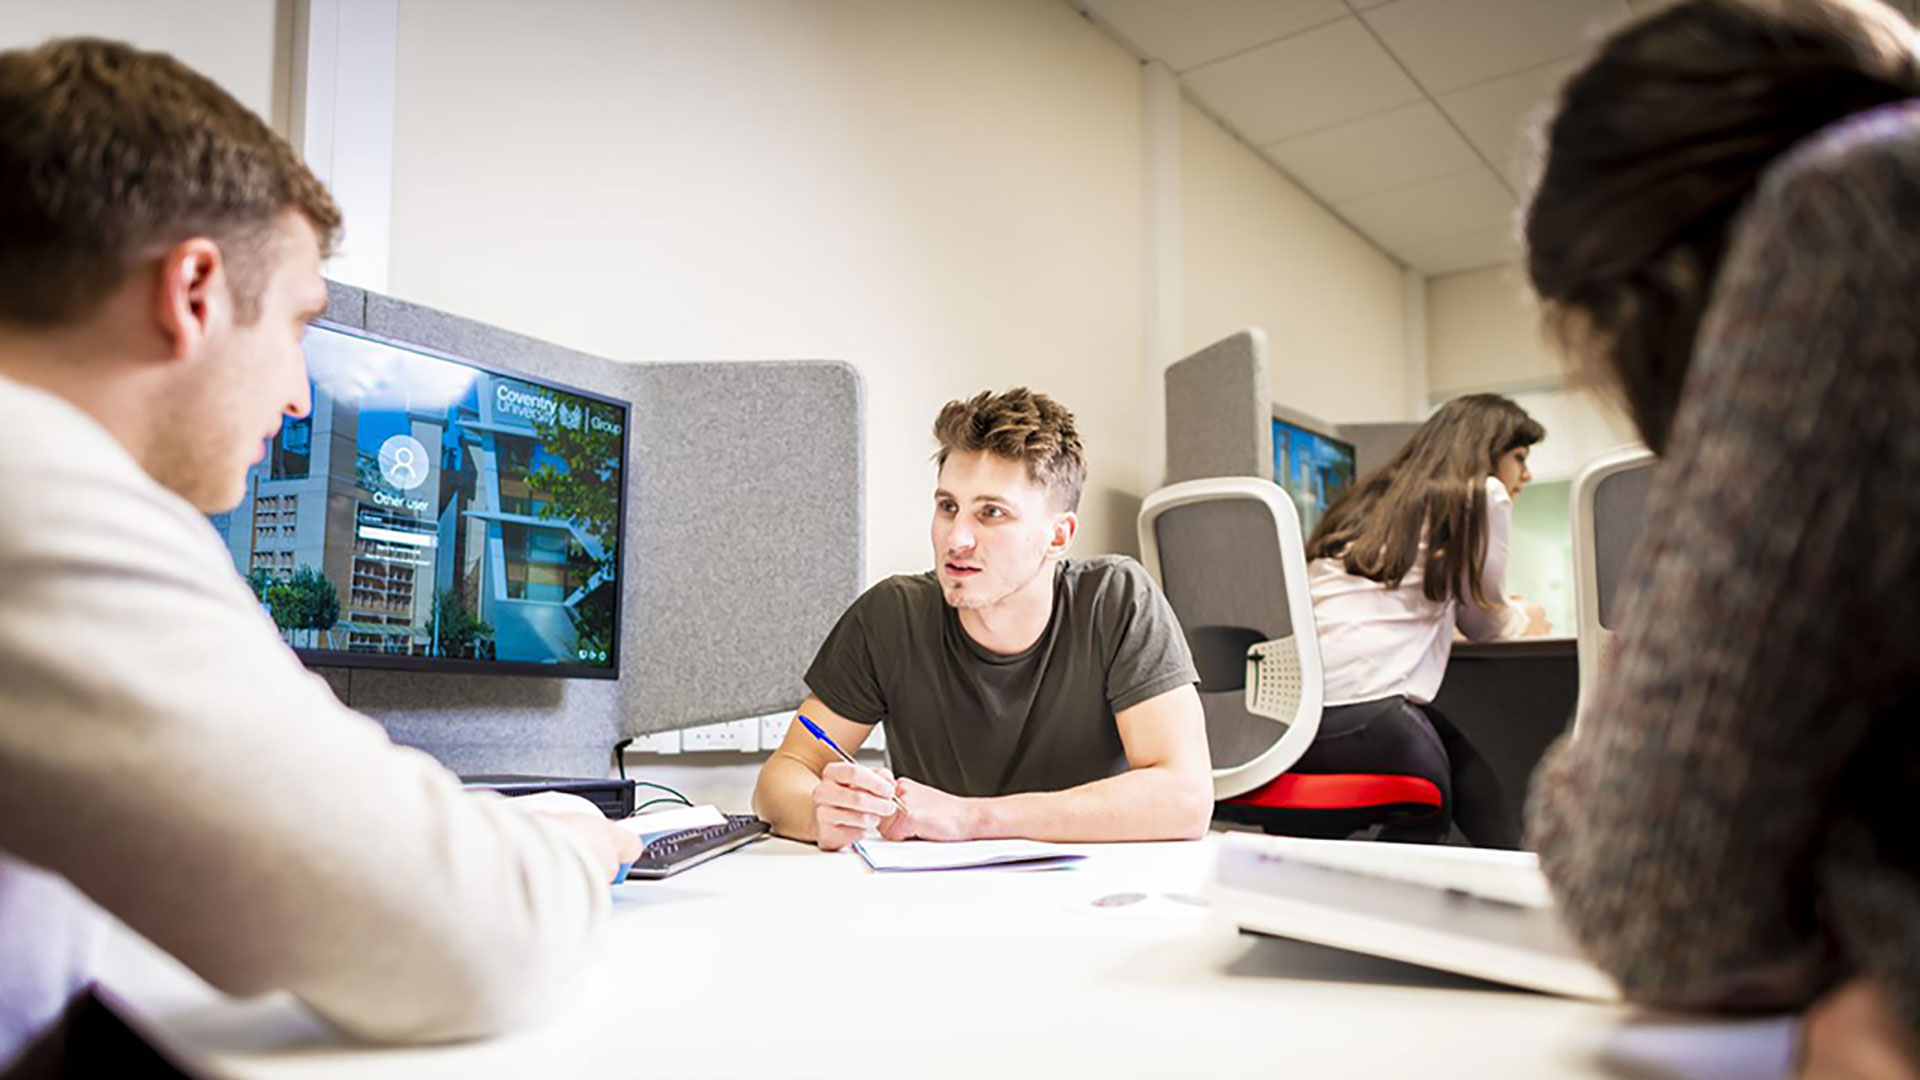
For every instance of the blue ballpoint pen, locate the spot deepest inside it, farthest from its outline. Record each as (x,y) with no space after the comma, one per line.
(814,730)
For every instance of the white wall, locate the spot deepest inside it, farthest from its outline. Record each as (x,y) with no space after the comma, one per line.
(236,43)
(1483,335)
(945,195)
(949,196)
(1582,423)
(1258,252)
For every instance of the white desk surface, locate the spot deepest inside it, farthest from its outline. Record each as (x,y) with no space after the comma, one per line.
(783,961)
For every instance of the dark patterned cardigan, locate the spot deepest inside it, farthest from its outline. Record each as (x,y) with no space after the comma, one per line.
(1738,822)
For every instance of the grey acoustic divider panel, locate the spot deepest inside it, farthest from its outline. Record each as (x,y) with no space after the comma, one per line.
(745,539)
(1218,420)
(1375,444)
(346,305)
(750,522)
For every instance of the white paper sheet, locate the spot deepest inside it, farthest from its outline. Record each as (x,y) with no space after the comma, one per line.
(659,822)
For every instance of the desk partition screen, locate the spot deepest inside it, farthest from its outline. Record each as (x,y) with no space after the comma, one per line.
(1218,412)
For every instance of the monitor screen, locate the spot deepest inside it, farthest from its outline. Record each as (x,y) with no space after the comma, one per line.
(436,515)
(1315,469)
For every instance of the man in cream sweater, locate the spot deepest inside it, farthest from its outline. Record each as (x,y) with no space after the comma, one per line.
(164,759)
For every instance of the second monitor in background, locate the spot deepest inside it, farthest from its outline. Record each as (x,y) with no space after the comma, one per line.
(1313,467)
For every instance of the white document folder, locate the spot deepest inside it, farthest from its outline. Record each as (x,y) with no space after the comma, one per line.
(1472,911)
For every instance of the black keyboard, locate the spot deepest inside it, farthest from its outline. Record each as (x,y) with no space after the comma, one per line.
(674,852)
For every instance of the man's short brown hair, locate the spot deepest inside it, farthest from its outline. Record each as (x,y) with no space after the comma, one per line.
(1022,426)
(109,154)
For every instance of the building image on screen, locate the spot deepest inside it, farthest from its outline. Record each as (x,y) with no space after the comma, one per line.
(1315,469)
(432,514)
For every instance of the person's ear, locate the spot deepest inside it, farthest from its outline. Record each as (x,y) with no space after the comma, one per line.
(1065,527)
(190,296)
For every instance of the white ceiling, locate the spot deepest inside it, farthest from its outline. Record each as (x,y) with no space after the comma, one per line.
(1407,118)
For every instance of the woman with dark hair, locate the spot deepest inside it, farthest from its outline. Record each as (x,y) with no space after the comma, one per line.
(1417,549)
(1728,226)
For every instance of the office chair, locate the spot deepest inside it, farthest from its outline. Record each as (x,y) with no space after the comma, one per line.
(1609,514)
(1228,554)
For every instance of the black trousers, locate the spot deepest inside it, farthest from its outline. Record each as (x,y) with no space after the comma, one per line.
(1395,736)
(91,1041)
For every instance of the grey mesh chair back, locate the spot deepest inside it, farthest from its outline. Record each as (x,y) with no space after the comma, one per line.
(1609,514)
(1228,554)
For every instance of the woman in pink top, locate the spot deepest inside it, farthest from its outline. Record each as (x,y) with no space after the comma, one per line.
(1415,551)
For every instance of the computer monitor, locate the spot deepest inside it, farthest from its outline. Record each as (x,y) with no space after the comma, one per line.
(1315,469)
(437,514)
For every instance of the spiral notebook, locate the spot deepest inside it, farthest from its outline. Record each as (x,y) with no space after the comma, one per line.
(887,856)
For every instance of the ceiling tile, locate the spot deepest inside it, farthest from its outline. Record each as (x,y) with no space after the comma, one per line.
(1432,209)
(1190,33)
(1378,153)
(1498,116)
(1306,82)
(1489,246)
(1448,44)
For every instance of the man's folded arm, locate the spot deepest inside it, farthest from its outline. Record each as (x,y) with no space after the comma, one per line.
(1166,794)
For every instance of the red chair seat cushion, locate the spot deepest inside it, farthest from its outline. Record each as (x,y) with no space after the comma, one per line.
(1339,791)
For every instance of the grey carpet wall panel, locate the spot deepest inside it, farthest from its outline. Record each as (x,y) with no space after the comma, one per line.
(346,305)
(1218,413)
(496,723)
(750,523)
(1375,444)
(744,540)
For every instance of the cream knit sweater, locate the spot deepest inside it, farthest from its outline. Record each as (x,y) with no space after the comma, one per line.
(163,752)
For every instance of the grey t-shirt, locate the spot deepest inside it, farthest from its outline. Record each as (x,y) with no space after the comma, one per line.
(974,723)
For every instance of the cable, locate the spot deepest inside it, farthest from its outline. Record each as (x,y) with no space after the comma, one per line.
(656,802)
(620,760)
(683,800)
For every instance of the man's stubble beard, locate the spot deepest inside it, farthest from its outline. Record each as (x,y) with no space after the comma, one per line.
(957,600)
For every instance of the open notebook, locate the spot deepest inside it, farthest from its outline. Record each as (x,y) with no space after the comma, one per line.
(888,855)
(1474,911)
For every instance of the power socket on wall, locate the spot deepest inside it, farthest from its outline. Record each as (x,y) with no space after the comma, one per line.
(753,735)
(773,730)
(741,735)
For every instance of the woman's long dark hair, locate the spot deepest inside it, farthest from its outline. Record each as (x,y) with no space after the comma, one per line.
(1654,147)
(1434,489)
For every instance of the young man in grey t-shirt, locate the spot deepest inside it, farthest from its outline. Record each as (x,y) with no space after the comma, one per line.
(1024,694)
